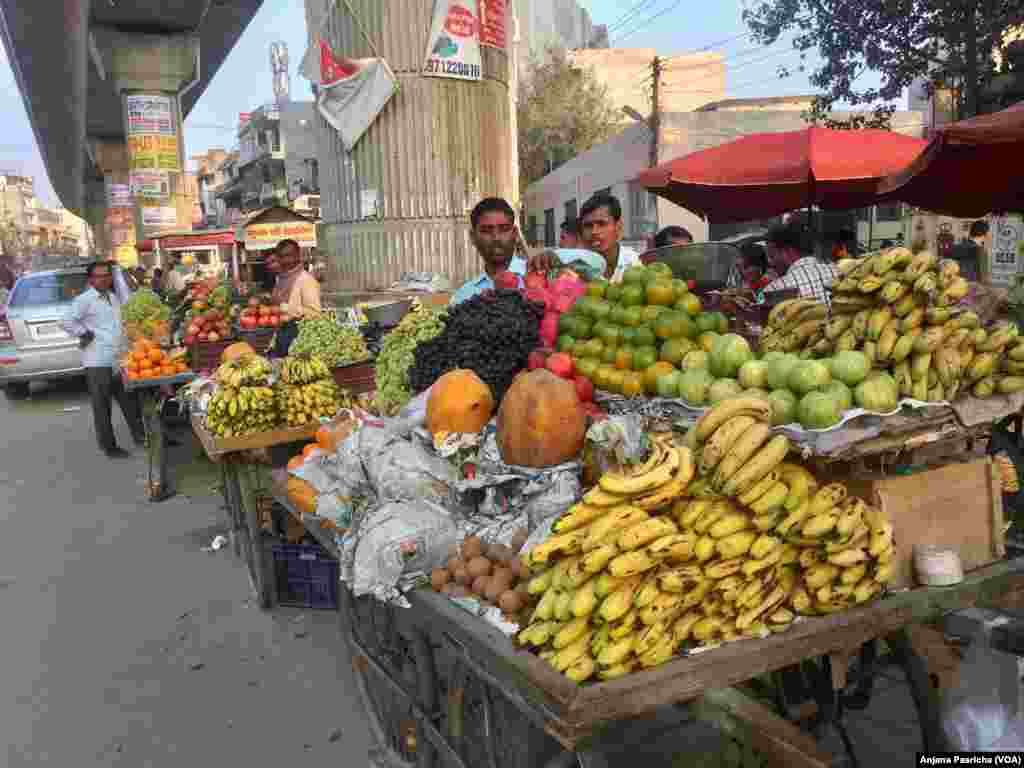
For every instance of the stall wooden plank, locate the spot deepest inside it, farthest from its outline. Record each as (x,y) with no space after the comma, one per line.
(216,447)
(777,739)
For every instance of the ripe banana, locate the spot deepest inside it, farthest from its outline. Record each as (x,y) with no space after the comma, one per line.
(585,600)
(763,546)
(752,567)
(619,602)
(582,670)
(848,557)
(741,452)
(722,440)
(773,499)
(768,520)
(719,508)
(577,516)
(764,461)
(631,564)
(618,520)
(818,525)
(573,651)
(736,544)
(677,547)
(735,406)
(820,575)
(616,652)
(596,560)
(729,524)
(564,544)
(794,518)
(801,484)
(616,482)
(759,488)
(827,497)
(644,533)
(599,497)
(704,549)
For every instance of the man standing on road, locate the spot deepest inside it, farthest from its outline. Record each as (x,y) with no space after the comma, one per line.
(95,320)
(294,286)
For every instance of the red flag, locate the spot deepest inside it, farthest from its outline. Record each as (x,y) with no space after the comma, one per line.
(334,68)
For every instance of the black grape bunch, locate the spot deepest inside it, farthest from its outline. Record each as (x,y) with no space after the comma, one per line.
(491,334)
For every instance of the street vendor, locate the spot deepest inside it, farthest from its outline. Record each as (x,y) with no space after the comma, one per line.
(174,277)
(791,252)
(95,320)
(295,287)
(601,229)
(495,237)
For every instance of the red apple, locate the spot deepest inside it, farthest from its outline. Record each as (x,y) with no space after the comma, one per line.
(561,365)
(506,280)
(537,359)
(190,340)
(194,328)
(275,321)
(536,281)
(584,388)
(248,322)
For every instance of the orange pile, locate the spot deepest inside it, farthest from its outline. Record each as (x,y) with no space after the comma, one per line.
(148,361)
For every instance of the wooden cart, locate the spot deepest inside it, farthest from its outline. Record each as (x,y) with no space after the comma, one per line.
(441,687)
(243,485)
(150,393)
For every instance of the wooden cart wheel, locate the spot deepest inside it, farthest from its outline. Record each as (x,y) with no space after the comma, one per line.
(380,651)
(489,731)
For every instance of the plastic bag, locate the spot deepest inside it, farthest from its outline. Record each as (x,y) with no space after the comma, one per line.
(396,545)
(1005,447)
(983,709)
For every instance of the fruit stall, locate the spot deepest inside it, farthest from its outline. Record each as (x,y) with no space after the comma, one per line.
(519,589)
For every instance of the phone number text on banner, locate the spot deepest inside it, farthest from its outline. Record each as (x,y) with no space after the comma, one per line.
(154,153)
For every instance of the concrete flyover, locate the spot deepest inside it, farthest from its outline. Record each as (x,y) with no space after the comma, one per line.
(72,60)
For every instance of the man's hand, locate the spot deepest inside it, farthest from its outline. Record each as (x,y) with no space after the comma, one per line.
(543,260)
(86,339)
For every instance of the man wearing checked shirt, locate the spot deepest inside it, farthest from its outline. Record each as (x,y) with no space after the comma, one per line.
(791,252)
(95,320)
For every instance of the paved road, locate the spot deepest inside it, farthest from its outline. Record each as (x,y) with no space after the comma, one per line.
(122,642)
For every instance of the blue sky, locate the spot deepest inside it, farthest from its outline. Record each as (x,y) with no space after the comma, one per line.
(244,81)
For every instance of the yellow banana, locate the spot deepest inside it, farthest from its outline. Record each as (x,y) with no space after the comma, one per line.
(617,652)
(662,652)
(800,481)
(539,584)
(585,600)
(596,560)
(802,602)
(728,525)
(866,590)
(753,567)
(616,482)
(759,488)
(852,575)
(647,592)
(718,509)
(576,517)
(722,440)
(887,341)
(605,584)
(624,626)
(826,498)
(644,533)
(741,451)
(582,670)
(736,544)
(631,564)
(768,520)
(817,526)
(885,572)
(904,306)
(723,568)
(794,518)
(763,545)
(774,498)
(913,319)
(599,497)
(563,606)
(704,549)
(706,629)
(764,461)
(618,603)
(574,651)
(735,406)
(564,544)
(618,670)
(848,557)
(617,520)
(664,608)
(647,637)
(817,576)
(675,546)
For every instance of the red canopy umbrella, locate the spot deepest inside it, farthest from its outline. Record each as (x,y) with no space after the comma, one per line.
(765,174)
(969,169)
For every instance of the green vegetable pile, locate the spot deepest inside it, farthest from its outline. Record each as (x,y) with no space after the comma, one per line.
(145,310)
(397,356)
(334,344)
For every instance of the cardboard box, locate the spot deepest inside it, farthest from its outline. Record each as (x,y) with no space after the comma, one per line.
(959,506)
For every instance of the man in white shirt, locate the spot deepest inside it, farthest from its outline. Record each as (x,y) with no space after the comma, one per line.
(601,231)
(174,277)
(95,320)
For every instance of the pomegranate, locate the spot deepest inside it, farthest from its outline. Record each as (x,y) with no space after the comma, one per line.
(537,359)
(561,365)
(549,329)
(506,280)
(584,388)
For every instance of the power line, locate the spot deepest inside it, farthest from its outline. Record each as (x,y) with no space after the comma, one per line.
(650,20)
(774,55)
(627,16)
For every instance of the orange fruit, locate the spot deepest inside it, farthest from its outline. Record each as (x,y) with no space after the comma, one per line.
(181,368)
(156,355)
(145,365)
(309,448)
(167,370)
(133,375)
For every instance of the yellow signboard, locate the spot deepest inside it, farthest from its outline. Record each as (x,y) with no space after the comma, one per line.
(261,237)
(153,153)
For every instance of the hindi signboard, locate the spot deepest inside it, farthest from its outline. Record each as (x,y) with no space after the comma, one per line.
(261,237)
(494,23)
(453,48)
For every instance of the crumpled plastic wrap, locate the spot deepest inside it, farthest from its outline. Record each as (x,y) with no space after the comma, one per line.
(617,441)
(398,544)
(391,468)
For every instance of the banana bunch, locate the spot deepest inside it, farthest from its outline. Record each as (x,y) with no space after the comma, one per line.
(794,325)
(301,404)
(245,370)
(238,411)
(303,369)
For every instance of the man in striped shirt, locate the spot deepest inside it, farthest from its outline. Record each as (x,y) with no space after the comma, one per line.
(791,252)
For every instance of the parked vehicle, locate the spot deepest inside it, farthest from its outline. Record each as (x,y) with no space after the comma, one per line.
(33,345)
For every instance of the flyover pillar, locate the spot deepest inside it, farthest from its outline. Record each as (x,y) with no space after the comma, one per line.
(150,73)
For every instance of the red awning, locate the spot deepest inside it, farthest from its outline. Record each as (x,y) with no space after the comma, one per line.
(970,169)
(766,174)
(197,239)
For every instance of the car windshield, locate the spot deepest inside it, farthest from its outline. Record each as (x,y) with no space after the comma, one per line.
(39,290)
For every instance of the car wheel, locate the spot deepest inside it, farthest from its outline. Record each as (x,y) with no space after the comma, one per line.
(17,391)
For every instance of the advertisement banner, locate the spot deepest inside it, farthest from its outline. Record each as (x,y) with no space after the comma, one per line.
(261,237)
(119,195)
(150,114)
(453,48)
(493,23)
(153,153)
(152,184)
(1007,246)
(157,216)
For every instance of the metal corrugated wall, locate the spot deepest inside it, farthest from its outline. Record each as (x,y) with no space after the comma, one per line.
(439,147)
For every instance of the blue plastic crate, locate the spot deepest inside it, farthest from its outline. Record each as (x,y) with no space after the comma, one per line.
(306,576)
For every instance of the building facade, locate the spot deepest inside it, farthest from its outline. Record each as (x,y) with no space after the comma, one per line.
(28,228)
(559,23)
(276,161)
(614,166)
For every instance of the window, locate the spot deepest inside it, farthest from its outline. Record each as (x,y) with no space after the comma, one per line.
(531,230)
(643,211)
(550,239)
(39,290)
(889,212)
(571,210)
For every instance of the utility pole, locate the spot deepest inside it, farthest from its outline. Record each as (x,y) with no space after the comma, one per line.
(655,119)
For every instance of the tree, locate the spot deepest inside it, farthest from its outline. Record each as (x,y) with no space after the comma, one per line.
(948,43)
(563,112)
